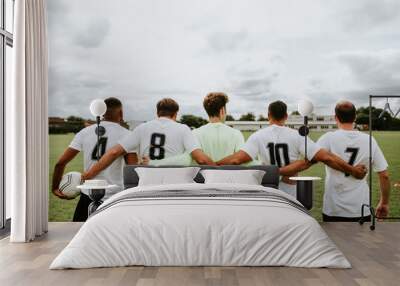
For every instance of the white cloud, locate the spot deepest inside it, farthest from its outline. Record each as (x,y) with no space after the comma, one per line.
(256,51)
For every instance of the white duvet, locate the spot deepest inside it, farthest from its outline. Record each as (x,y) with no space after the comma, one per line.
(202,231)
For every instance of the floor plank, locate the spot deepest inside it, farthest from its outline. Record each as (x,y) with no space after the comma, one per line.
(375,257)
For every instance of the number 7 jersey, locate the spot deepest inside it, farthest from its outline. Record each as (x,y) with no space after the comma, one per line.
(344,194)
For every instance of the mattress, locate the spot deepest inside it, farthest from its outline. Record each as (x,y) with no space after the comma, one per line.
(201,225)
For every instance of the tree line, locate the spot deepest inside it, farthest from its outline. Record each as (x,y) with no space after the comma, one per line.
(380,121)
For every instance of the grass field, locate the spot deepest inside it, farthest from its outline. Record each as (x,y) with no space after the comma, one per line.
(62,210)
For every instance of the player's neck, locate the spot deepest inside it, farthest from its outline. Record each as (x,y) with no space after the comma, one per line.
(346,126)
(166,117)
(214,120)
(277,122)
(111,120)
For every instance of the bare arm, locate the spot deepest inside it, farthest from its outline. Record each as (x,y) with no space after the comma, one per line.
(201,158)
(59,168)
(294,168)
(131,159)
(105,161)
(382,210)
(237,158)
(339,164)
(181,160)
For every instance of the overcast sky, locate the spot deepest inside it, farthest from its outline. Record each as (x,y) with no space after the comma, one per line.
(255,51)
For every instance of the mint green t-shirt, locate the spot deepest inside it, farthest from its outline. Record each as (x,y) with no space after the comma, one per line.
(217,140)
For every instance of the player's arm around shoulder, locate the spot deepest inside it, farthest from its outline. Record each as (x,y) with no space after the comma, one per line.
(131,157)
(201,158)
(179,160)
(192,147)
(294,168)
(246,153)
(335,162)
(106,160)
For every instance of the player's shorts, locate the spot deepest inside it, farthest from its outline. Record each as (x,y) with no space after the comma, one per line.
(327,218)
(81,210)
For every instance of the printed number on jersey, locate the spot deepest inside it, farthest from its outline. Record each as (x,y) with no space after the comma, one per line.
(353,156)
(157,151)
(103,146)
(279,154)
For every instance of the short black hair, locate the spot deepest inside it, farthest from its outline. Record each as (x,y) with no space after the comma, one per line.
(113,102)
(345,112)
(277,110)
(113,105)
(167,107)
(213,103)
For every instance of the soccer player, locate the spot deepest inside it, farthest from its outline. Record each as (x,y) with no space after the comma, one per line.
(344,195)
(157,139)
(284,147)
(216,139)
(86,141)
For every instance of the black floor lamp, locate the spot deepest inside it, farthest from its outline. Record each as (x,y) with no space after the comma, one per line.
(305,185)
(97,108)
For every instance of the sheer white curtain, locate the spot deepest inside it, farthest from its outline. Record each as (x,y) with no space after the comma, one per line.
(28,124)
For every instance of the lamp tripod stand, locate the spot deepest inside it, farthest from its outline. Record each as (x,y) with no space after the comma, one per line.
(369,206)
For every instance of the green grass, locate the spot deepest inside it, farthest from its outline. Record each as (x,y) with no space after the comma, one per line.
(62,210)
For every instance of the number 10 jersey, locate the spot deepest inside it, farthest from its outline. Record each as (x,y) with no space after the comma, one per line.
(280,146)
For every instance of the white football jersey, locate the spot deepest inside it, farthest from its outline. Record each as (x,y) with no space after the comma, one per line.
(280,146)
(344,194)
(86,141)
(160,138)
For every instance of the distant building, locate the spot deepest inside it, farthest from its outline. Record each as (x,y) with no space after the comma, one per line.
(58,125)
(56,122)
(316,123)
(89,122)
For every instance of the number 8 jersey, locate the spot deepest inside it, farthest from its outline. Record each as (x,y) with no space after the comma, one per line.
(280,146)
(344,194)
(86,141)
(160,138)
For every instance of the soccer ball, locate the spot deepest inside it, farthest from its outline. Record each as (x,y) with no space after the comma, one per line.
(69,183)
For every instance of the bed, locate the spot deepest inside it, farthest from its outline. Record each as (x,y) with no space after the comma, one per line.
(198,224)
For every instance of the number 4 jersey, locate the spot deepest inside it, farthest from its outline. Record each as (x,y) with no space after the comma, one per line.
(86,141)
(344,194)
(160,138)
(280,146)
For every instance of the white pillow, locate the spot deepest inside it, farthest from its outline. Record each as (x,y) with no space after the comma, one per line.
(248,177)
(166,176)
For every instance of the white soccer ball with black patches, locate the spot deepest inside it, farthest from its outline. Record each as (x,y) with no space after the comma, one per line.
(69,184)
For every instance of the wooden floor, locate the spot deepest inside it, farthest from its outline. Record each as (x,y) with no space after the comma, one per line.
(375,256)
